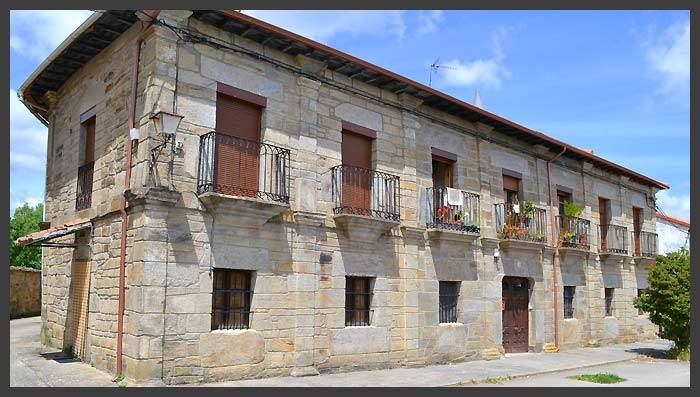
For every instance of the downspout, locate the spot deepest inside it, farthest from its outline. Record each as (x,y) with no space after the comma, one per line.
(555,256)
(127,187)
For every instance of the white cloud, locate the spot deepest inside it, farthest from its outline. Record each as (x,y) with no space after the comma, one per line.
(27,137)
(32,201)
(323,25)
(488,72)
(428,21)
(35,33)
(669,56)
(674,205)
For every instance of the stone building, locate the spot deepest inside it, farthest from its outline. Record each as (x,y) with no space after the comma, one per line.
(291,209)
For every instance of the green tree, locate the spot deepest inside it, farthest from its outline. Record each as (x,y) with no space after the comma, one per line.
(25,220)
(667,300)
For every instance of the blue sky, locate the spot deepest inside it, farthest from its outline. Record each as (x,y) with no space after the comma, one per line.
(614,81)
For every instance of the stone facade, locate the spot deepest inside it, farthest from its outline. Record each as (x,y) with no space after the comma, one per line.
(300,254)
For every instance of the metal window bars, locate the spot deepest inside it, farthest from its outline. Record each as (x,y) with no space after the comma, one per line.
(573,232)
(612,239)
(648,245)
(358,297)
(241,167)
(367,192)
(231,299)
(83,196)
(609,294)
(443,215)
(569,292)
(516,223)
(448,298)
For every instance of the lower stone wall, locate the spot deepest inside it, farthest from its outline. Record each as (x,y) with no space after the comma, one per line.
(25,292)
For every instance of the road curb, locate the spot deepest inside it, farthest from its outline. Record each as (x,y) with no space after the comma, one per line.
(544,372)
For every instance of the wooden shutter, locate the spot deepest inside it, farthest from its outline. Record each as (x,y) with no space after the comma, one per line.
(78,311)
(237,149)
(511,183)
(89,140)
(356,151)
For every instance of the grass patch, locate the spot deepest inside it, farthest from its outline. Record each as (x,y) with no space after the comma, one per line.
(493,380)
(678,354)
(121,381)
(604,378)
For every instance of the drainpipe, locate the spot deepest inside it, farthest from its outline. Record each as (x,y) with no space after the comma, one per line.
(555,256)
(127,186)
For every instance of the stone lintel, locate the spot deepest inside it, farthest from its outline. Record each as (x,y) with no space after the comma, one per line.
(308,218)
(409,100)
(241,211)
(363,228)
(311,65)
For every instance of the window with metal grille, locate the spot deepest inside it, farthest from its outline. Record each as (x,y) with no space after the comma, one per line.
(358,297)
(639,294)
(231,299)
(569,292)
(609,292)
(449,294)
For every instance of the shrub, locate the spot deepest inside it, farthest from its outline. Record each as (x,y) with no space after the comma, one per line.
(667,300)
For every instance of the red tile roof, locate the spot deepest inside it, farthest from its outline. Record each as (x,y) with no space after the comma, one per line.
(675,220)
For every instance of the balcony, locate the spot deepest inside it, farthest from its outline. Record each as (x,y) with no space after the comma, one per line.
(646,245)
(515,223)
(246,179)
(83,196)
(367,202)
(574,234)
(457,215)
(612,240)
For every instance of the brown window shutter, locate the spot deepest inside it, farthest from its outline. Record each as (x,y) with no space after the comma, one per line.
(511,183)
(89,140)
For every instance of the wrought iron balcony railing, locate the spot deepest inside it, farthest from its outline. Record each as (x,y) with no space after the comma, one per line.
(514,222)
(647,245)
(83,196)
(574,232)
(362,191)
(460,214)
(612,239)
(241,167)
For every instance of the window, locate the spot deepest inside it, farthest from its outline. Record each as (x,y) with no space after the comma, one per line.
(569,292)
(231,299)
(442,172)
(637,225)
(639,294)
(563,196)
(609,292)
(83,197)
(357,300)
(449,292)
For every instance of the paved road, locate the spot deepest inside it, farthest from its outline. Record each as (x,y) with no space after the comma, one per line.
(638,373)
(30,365)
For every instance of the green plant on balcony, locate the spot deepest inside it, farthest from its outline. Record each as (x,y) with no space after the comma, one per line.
(528,209)
(572,210)
(568,238)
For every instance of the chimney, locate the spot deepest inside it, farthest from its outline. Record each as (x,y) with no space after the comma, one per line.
(477,100)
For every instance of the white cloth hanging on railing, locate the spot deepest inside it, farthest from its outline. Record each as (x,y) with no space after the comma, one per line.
(454,197)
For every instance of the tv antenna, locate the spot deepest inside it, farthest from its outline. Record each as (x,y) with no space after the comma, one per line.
(434,68)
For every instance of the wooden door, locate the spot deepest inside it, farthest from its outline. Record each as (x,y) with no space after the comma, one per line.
(78,310)
(515,314)
(603,211)
(356,151)
(237,153)
(637,221)
(442,173)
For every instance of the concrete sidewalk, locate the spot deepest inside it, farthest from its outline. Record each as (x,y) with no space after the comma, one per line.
(512,365)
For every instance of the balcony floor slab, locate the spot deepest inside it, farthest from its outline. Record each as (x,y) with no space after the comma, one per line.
(241,211)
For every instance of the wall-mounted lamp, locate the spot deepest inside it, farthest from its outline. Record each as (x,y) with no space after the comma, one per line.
(166,122)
